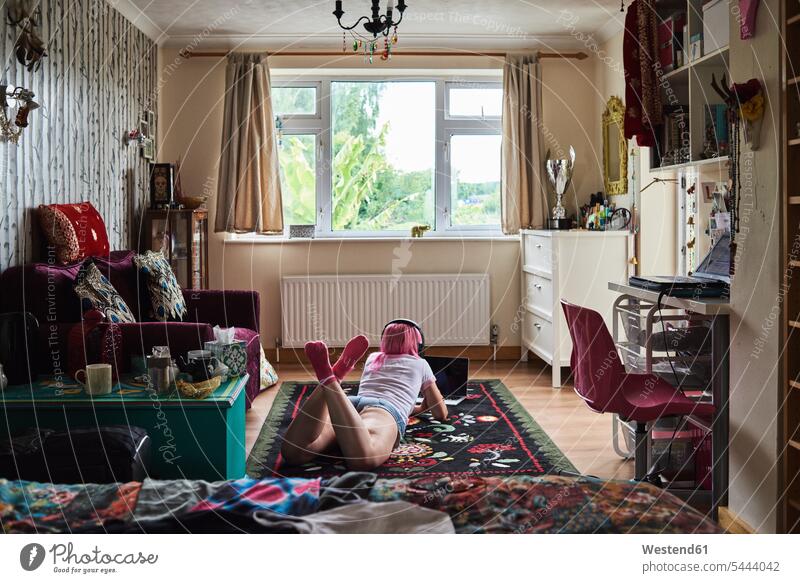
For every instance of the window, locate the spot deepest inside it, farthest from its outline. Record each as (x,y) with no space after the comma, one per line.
(298,159)
(474,101)
(384,137)
(367,157)
(294,101)
(475,179)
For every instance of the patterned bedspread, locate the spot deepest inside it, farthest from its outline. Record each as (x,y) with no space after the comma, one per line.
(551,504)
(475,504)
(31,507)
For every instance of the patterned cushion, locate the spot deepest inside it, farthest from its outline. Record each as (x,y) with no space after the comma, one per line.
(97,293)
(166,296)
(76,231)
(268,375)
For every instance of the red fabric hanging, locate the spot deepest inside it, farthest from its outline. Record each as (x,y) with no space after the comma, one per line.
(644,110)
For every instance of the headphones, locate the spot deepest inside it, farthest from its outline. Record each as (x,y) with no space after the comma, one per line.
(413,324)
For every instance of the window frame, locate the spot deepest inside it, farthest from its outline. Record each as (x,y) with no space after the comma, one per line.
(295,117)
(317,160)
(468,85)
(446,127)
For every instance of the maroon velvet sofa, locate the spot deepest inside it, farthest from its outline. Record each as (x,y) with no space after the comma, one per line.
(46,291)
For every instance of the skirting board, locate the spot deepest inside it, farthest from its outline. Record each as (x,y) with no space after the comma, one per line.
(732,523)
(475,353)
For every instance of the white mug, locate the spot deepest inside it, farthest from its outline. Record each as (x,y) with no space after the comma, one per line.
(98,379)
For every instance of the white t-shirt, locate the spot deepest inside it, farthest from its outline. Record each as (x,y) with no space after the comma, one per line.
(399,381)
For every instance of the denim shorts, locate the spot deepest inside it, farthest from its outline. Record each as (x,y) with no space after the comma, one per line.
(361,403)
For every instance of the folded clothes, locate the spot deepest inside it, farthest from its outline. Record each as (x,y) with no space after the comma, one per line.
(396,517)
(365,518)
(349,488)
(160,499)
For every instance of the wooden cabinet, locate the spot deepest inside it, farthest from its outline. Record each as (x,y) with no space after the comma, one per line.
(182,235)
(572,265)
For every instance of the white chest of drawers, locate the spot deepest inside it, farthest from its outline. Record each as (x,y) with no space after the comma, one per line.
(572,265)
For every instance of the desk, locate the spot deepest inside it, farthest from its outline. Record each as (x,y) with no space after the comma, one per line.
(191,438)
(719,310)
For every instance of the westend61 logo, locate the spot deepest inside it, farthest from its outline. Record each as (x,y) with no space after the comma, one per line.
(66,560)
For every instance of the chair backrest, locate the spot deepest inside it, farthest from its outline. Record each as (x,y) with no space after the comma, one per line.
(597,369)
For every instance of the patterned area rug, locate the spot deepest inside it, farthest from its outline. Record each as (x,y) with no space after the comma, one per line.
(490,433)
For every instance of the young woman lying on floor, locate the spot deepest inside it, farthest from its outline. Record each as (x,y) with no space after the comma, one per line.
(369,426)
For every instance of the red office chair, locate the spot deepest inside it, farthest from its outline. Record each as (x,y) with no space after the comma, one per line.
(600,380)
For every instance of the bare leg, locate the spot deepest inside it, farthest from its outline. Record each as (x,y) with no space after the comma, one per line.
(310,432)
(366,439)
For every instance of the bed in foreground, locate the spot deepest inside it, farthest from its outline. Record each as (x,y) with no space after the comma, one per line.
(353,502)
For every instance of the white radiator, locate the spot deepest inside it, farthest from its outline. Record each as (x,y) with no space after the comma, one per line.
(453,310)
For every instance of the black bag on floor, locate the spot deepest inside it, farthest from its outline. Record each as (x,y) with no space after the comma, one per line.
(86,455)
(19,338)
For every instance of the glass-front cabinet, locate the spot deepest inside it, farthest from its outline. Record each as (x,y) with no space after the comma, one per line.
(182,235)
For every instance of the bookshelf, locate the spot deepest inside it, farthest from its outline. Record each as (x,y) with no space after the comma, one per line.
(789,412)
(687,94)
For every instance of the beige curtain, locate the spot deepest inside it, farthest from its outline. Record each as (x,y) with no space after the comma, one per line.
(524,201)
(249,188)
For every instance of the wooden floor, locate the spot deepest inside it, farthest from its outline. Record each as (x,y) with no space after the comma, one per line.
(583,435)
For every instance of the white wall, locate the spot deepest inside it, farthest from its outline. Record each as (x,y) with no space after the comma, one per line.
(755,342)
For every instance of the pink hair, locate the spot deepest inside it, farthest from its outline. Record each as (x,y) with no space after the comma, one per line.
(397,339)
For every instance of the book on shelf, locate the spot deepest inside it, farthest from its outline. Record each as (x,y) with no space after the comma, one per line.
(671,43)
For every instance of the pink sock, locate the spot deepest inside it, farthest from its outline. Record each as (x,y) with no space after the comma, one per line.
(351,354)
(317,353)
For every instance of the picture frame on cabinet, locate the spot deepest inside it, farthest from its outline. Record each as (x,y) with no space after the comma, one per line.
(162,185)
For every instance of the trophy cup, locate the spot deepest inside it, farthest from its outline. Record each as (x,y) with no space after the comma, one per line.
(560,174)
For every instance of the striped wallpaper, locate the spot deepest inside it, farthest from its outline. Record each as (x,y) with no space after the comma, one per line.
(98,78)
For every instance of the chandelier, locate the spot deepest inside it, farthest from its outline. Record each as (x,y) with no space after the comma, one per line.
(377,25)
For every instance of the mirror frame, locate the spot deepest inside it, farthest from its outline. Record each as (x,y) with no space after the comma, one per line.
(615,114)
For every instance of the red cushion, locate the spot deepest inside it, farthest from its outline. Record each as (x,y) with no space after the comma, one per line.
(76,231)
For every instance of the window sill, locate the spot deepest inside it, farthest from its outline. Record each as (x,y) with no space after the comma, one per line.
(283,240)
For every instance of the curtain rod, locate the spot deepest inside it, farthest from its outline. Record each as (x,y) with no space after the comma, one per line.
(200,54)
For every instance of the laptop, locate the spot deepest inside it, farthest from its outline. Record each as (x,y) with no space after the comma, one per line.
(452,375)
(712,278)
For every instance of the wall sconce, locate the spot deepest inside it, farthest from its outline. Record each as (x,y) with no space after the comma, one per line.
(18,102)
(133,136)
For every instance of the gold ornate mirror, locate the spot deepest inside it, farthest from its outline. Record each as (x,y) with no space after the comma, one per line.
(615,148)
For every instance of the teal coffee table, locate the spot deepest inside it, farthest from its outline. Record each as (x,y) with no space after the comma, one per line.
(191,438)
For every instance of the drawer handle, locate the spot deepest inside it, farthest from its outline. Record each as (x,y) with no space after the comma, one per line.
(538,245)
(537,285)
(537,326)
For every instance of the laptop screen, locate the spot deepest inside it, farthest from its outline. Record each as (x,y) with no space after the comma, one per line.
(451,375)
(717,264)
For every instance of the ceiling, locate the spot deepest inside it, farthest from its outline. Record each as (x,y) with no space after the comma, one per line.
(499,24)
